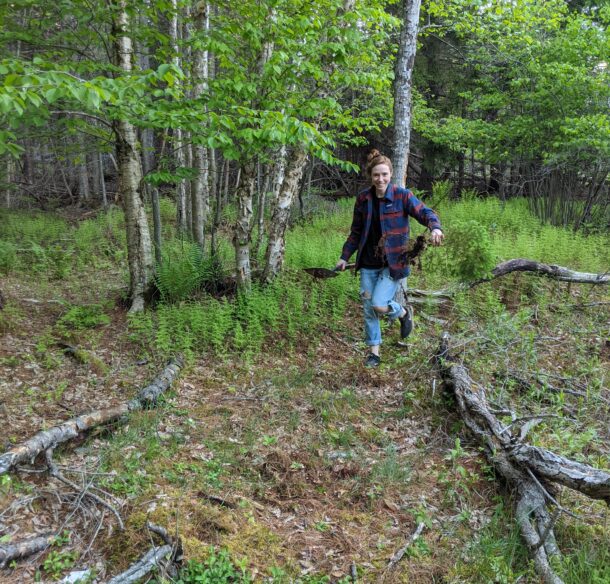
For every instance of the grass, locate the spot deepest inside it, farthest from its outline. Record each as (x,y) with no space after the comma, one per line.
(324,464)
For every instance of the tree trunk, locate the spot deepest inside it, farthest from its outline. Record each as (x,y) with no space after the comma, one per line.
(178,141)
(200,189)
(139,248)
(274,257)
(279,171)
(100,180)
(402,90)
(10,177)
(243,225)
(83,173)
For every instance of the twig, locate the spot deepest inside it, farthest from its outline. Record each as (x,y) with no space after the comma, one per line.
(403,550)
(550,497)
(548,529)
(54,472)
(97,530)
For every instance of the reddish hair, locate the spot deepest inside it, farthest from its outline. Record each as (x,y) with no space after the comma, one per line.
(373,159)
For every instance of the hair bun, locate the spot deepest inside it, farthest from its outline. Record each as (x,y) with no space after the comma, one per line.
(374,153)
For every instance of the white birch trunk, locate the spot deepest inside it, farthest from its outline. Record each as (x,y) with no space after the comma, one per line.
(139,247)
(200,185)
(274,256)
(243,225)
(279,173)
(402,90)
(178,142)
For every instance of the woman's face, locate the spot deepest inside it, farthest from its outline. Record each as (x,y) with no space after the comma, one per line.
(381,176)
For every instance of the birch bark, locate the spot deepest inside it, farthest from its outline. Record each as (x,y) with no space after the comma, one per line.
(274,256)
(200,185)
(179,157)
(243,225)
(139,248)
(402,90)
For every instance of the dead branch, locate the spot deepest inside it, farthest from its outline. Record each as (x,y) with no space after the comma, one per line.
(23,549)
(508,267)
(145,565)
(552,271)
(580,477)
(403,550)
(520,465)
(170,553)
(27,451)
(83,492)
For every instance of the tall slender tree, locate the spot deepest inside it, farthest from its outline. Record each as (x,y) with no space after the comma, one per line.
(403,82)
(139,247)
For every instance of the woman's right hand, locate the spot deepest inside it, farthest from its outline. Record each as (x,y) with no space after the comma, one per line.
(341,265)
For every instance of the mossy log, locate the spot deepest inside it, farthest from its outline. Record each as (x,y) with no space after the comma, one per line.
(48,439)
(525,468)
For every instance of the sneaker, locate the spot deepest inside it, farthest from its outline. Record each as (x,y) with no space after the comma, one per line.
(406,322)
(372,360)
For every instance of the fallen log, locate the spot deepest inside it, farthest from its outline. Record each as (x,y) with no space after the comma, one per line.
(145,565)
(23,549)
(550,270)
(169,555)
(525,468)
(502,269)
(48,439)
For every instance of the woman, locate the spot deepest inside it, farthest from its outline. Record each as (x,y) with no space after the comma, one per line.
(380,232)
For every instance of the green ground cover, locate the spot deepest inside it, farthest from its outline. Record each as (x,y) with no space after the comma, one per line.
(325,465)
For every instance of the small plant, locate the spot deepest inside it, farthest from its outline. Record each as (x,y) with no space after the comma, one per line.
(8,257)
(84,317)
(217,568)
(470,251)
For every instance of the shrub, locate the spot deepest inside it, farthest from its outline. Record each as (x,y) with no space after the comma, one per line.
(470,251)
(84,317)
(8,257)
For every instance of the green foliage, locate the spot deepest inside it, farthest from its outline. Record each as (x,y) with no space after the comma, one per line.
(8,257)
(470,251)
(84,317)
(217,568)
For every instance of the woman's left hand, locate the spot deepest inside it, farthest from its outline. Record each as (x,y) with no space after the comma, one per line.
(437,236)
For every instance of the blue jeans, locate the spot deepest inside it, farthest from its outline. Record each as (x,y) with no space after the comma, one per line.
(377,288)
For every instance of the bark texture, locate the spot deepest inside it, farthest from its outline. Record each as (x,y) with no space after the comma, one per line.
(524,467)
(48,439)
(243,225)
(274,256)
(139,245)
(200,189)
(23,549)
(402,89)
(145,565)
(552,271)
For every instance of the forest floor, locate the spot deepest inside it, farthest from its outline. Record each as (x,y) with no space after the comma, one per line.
(299,463)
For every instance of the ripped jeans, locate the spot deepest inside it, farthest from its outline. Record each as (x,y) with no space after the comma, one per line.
(377,288)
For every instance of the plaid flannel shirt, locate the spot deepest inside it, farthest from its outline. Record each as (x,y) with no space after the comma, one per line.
(397,205)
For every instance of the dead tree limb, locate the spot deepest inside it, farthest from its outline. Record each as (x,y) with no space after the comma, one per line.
(23,549)
(27,451)
(522,466)
(403,550)
(145,565)
(552,271)
(508,267)
(170,553)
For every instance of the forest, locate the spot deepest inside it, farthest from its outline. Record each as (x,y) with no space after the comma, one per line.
(184,394)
